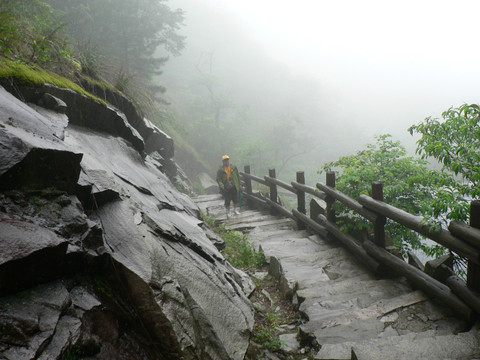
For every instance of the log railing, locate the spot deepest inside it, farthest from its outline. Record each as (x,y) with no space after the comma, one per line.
(460,238)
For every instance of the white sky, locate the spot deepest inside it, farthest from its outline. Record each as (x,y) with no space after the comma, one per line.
(374,35)
(384,65)
(391,62)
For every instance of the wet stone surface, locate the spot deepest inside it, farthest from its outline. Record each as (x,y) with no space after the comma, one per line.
(85,214)
(344,308)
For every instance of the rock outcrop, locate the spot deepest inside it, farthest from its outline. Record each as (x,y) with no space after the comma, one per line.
(210,186)
(101,257)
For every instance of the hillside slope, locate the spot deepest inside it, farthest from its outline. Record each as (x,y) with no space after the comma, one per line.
(101,256)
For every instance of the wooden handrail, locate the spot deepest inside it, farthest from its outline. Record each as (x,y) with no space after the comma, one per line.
(256,199)
(465,232)
(419,278)
(349,242)
(310,223)
(280,209)
(280,183)
(459,287)
(309,190)
(254,178)
(348,201)
(443,237)
(461,238)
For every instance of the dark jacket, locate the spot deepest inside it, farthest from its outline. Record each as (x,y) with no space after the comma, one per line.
(222,176)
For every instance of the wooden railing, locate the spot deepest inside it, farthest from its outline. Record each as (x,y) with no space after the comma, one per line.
(437,278)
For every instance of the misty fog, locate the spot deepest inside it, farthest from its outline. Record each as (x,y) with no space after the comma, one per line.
(340,72)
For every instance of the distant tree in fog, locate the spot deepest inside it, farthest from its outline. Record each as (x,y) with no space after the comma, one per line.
(125,33)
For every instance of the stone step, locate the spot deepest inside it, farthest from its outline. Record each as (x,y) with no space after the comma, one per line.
(270,223)
(205,198)
(426,346)
(346,307)
(211,207)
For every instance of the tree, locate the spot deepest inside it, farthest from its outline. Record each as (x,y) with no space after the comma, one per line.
(127,32)
(30,32)
(455,143)
(288,138)
(408,184)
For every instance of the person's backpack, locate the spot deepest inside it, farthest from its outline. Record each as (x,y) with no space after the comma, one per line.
(229,185)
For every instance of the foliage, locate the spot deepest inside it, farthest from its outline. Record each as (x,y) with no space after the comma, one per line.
(455,143)
(253,153)
(408,184)
(37,76)
(216,124)
(238,249)
(75,352)
(266,333)
(126,34)
(30,32)
(117,42)
(289,138)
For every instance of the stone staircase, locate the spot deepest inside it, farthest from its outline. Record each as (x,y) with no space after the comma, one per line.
(350,313)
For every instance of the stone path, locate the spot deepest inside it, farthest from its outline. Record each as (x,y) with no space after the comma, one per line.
(351,314)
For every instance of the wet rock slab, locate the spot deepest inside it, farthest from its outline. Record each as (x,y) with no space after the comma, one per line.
(121,253)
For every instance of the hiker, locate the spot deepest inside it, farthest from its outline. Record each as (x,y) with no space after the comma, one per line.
(229,183)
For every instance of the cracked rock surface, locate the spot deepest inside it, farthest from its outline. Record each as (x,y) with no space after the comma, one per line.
(101,257)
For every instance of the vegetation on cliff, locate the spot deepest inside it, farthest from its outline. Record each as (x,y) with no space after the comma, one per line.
(76,43)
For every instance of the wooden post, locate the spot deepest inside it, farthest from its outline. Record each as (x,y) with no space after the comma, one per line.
(248,181)
(315,209)
(473,269)
(301,200)
(248,185)
(379,224)
(329,200)
(273,190)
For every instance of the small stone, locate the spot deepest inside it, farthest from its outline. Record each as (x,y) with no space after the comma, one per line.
(390,317)
(137,218)
(388,332)
(260,275)
(259,307)
(422,317)
(267,295)
(290,342)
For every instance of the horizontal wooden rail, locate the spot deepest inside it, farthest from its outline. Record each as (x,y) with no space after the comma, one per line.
(280,209)
(465,232)
(256,199)
(461,238)
(310,223)
(419,278)
(459,287)
(348,201)
(309,190)
(254,178)
(280,183)
(347,240)
(443,237)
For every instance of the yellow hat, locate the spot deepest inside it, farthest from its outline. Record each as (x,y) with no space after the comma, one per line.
(224,157)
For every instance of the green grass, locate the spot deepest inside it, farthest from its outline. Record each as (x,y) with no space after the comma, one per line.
(238,249)
(35,75)
(266,333)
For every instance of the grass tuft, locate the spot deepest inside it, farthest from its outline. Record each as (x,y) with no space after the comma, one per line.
(267,333)
(238,249)
(35,75)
